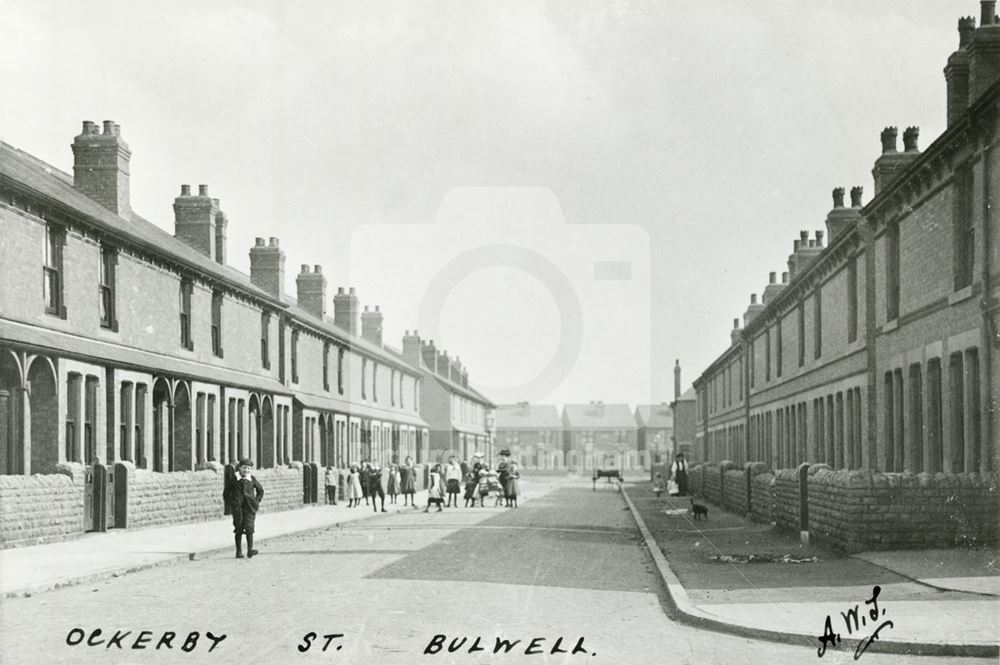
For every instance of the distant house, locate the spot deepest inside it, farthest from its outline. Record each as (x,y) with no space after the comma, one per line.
(655,433)
(599,435)
(533,434)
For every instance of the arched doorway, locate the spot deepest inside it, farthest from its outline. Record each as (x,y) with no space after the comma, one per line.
(43,403)
(181,458)
(265,456)
(11,415)
(254,440)
(162,430)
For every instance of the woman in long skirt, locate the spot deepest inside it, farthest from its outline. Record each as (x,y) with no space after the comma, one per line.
(513,488)
(407,485)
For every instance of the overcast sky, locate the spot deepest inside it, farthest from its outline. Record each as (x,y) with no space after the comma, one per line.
(666,153)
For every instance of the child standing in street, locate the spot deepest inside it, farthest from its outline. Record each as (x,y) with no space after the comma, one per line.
(243,497)
(471,486)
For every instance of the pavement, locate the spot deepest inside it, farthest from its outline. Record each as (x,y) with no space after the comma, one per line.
(940,602)
(730,574)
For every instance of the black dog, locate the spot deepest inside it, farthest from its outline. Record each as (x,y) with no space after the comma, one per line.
(699,510)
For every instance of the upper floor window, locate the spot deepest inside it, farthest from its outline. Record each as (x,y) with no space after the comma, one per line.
(187,287)
(767,355)
(802,334)
(892,272)
(326,366)
(852,300)
(340,370)
(818,323)
(779,351)
(374,381)
(392,388)
(281,349)
(295,356)
(265,340)
(401,404)
(52,270)
(217,323)
(109,260)
(364,378)
(964,231)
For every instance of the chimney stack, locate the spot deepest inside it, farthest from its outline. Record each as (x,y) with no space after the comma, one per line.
(411,348)
(311,291)
(891,163)
(429,355)
(200,223)
(371,325)
(443,365)
(841,219)
(101,166)
(267,265)
(677,379)
(984,52)
(734,335)
(752,311)
(956,72)
(773,288)
(345,310)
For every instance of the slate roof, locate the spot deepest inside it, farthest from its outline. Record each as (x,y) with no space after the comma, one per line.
(598,416)
(528,416)
(654,415)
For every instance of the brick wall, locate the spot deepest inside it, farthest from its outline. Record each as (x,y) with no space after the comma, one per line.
(713,484)
(696,480)
(856,510)
(282,488)
(785,493)
(762,497)
(40,508)
(734,495)
(171,498)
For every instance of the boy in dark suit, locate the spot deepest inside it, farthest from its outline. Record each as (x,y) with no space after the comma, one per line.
(243,498)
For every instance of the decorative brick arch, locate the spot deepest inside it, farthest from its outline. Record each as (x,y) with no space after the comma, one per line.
(163,407)
(43,406)
(12,405)
(265,459)
(180,455)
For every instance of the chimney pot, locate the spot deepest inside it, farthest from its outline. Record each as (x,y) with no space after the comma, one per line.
(351,290)
(340,290)
(88,127)
(305,268)
(812,243)
(366,308)
(109,127)
(272,242)
(888,137)
(215,202)
(736,323)
(838,197)
(910,137)
(856,193)
(784,277)
(803,236)
(376,308)
(258,242)
(753,298)
(318,269)
(772,278)
(795,244)
(185,190)
(987,12)
(819,238)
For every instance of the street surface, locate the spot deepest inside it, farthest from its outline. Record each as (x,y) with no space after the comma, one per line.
(568,568)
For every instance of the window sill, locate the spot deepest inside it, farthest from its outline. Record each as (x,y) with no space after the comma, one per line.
(889,326)
(960,295)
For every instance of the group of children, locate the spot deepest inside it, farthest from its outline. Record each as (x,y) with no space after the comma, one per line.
(480,482)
